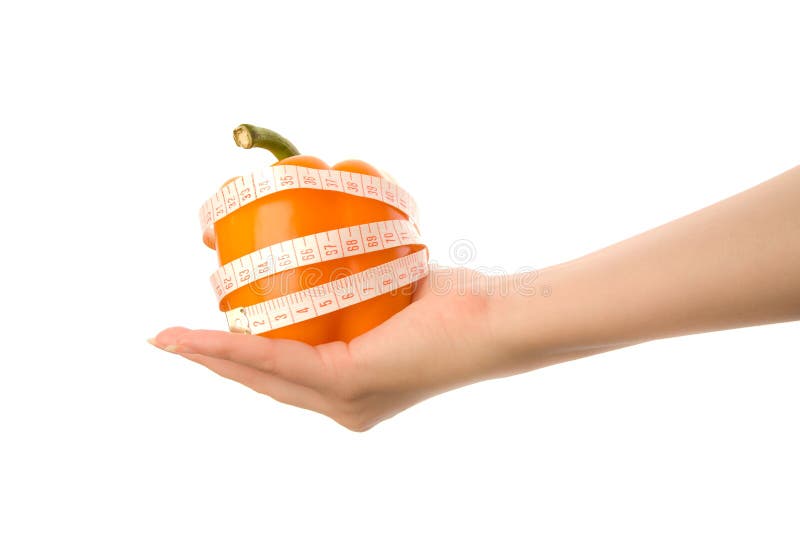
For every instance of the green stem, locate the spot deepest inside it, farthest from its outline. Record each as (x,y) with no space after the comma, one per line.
(248,136)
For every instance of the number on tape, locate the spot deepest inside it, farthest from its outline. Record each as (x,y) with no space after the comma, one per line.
(326,298)
(265,182)
(314,248)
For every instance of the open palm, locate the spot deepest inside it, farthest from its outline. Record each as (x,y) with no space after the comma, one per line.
(442,340)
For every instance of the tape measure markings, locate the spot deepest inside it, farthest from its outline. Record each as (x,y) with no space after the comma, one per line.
(263,182)
(311,249)
(332,296)
(308,250)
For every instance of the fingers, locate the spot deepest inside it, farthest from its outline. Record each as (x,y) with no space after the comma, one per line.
(288,359)
(261,382)
(168,337)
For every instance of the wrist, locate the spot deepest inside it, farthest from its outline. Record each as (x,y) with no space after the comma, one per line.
(552,315)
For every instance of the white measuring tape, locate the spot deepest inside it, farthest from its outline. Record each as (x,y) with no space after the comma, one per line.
(310,249)
(264,182)
(326,298)
(315,248)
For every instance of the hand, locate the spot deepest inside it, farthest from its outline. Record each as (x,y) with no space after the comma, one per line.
(441,341)
(456,331)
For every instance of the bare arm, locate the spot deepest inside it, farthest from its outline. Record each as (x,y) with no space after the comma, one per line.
(732,264)
(735,263)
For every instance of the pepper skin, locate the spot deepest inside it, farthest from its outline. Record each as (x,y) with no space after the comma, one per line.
(298,212)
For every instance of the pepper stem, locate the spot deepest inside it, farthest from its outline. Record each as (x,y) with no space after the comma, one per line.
(248,136)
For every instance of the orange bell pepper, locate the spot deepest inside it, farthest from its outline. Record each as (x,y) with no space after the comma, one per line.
(295,213)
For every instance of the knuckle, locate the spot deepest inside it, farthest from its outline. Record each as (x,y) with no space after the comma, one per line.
(268,364)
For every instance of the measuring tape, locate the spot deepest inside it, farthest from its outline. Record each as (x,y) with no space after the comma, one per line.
(310,249)
(326,298)
(264,182)
(315,248)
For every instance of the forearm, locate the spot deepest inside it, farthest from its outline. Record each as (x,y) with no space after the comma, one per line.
(735,263)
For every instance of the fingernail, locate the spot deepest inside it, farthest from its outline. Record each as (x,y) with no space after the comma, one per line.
(168,348)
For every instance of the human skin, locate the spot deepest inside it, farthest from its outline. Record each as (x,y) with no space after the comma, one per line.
(733,264)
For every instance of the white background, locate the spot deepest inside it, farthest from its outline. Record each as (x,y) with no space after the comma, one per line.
(608,117)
